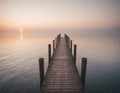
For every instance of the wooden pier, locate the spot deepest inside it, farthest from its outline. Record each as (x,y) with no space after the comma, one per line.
(62,75)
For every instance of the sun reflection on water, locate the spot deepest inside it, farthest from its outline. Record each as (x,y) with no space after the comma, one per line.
(21,34)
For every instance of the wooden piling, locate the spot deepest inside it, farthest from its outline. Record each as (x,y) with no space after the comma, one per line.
(41,70)
(83,70)
(68,40)
(49,53)
(75,51)
(59,36)
(71,46)
(53,45)
(56,42)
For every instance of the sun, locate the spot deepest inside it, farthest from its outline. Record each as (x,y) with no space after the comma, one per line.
(21,30)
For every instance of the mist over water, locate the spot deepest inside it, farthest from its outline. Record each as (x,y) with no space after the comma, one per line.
(19,69)
(28,26)
(103,65)
(19,65)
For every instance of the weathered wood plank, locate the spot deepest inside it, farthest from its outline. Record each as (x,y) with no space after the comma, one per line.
(62,75)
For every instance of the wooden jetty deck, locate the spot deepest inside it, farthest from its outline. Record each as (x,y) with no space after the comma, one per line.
(62,75)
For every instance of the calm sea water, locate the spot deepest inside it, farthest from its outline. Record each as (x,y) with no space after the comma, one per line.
(19,72)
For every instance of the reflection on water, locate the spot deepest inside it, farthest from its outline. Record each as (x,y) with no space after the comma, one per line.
(103,65)
(19,65)
(21,36)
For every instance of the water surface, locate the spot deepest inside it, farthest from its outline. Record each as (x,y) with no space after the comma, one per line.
(19,71)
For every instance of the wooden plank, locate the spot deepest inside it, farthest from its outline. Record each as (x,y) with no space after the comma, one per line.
(62,75)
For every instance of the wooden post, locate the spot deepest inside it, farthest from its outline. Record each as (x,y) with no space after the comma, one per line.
(75,51)
(71,46)
(69,42)
(59,36)
(56,42)
(65,37)
(49,53)
(41,70)
(53,45)
(83,70)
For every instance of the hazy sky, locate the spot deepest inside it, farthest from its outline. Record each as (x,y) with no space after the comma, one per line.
(59,13)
